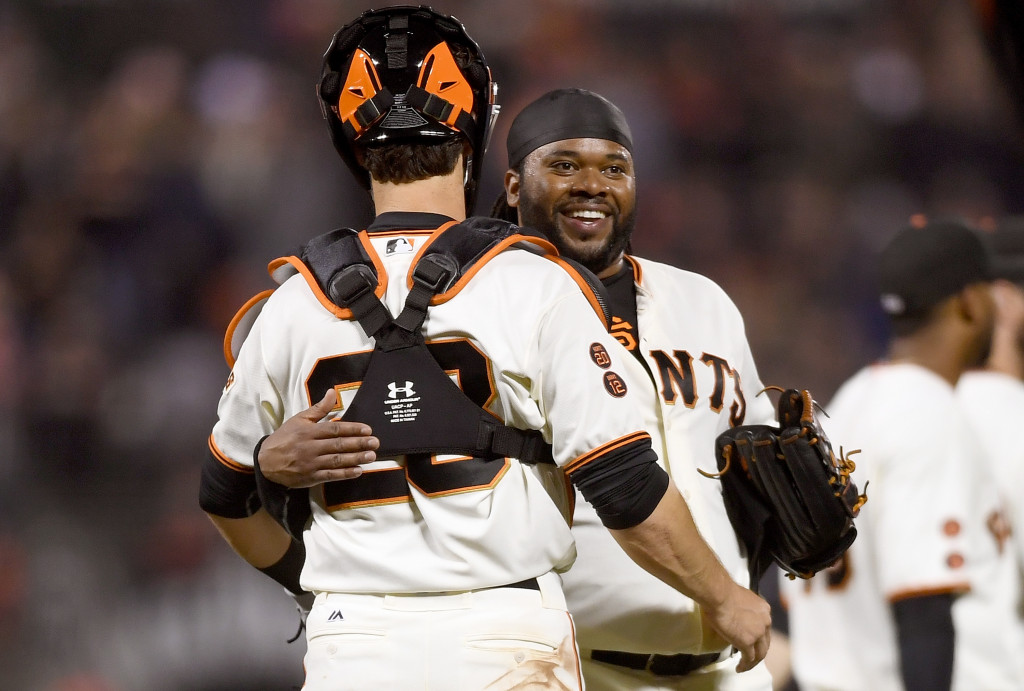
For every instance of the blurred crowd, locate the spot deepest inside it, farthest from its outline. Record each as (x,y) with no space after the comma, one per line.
(155,155)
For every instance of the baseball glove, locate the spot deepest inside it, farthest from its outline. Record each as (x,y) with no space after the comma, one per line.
(790,499)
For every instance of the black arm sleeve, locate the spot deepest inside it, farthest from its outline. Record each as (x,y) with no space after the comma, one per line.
(924,626)
(226,492)
(287,569)
(624,486)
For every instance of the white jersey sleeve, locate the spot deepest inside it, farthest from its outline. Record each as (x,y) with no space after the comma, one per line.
(993,404)
(990,622)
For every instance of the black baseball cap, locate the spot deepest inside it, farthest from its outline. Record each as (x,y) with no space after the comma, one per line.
(928,261)
(1006,244)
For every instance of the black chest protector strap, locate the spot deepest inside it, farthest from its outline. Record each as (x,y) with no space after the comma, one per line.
(411,403)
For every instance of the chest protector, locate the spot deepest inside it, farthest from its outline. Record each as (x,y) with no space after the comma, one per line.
(410,402)
(405,396)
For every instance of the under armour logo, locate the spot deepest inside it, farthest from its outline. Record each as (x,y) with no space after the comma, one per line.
(336,616)
(407,390)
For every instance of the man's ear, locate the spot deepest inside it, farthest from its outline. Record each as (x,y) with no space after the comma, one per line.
(512,188)
(975,302)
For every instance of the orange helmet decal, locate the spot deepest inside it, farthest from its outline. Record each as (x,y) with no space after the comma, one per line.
(440,75)
(391,77)
(361,84)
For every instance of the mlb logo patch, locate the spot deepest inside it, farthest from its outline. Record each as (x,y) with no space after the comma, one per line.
(398,246)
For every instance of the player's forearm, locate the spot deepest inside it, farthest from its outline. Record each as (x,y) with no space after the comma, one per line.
(669,546)
(258,539)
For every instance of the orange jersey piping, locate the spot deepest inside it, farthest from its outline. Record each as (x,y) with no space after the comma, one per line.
(235,320)
(638,272)
(605,448)
(588,292)
(339,312)
(952,588)
(224,460)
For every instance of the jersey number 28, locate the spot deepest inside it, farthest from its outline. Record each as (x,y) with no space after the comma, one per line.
(430,475)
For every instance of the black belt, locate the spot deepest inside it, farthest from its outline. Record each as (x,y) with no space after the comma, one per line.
(528,584)
(661,665)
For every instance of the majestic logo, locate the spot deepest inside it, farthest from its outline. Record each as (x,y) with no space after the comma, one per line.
(599,354)
(406,391)
(336,615)
(398,246)
(614,385)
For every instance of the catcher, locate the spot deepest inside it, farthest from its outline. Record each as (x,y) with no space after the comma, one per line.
(789,497)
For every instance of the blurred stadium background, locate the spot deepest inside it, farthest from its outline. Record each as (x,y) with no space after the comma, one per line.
(156,154)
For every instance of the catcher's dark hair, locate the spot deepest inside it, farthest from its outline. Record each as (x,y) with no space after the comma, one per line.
(408,162)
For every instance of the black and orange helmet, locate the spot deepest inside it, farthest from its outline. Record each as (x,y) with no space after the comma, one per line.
(407,74)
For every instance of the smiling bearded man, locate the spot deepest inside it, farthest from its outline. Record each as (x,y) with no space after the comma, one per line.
(575,184)
(571,176)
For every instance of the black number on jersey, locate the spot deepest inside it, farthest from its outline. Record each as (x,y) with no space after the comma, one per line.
(432,476)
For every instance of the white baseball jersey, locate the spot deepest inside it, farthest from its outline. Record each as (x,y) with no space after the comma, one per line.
(693,341)
(994,405)
(923,530)
(521,338)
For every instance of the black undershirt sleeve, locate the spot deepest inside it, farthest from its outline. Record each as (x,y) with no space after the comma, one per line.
(288,568)
(226,492)
(624,486)
(924,627)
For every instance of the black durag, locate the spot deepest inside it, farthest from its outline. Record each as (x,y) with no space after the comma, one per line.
(566,114)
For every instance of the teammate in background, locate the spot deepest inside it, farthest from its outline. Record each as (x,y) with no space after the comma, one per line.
(928,596)
(434,570)
(993,396)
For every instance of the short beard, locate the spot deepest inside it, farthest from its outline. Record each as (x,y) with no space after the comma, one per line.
(595,259)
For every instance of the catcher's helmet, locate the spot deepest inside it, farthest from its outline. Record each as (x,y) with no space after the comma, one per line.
(407,74)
